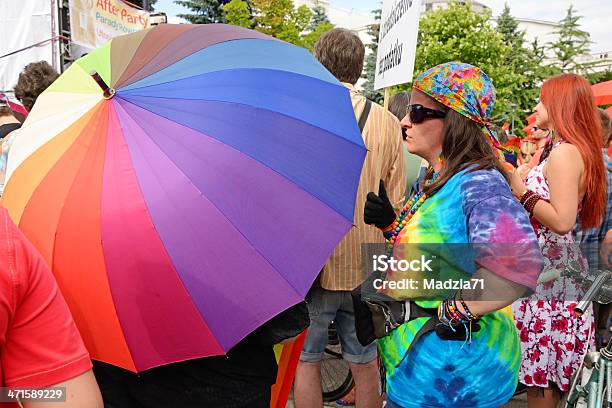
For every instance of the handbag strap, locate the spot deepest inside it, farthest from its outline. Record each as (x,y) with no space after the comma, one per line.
(363,118)
(417,311)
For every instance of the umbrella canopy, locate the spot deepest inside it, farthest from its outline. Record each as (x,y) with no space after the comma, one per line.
(195,198)
(603,93)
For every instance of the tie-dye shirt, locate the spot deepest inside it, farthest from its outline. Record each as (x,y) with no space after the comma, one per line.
(471,208)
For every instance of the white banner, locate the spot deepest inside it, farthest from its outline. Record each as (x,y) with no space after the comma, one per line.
(94,22)
(399,26)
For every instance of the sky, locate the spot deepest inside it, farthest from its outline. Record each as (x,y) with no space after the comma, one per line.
(597,14)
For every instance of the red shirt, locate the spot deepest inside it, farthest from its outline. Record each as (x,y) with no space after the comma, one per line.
(39,342)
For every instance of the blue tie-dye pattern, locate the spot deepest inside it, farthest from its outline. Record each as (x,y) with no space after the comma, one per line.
(440,373)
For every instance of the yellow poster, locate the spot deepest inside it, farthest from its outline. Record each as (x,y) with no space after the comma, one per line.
(94,22)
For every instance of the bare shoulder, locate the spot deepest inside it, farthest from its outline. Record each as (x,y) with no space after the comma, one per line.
(565,150)
(566,155)
(564,163)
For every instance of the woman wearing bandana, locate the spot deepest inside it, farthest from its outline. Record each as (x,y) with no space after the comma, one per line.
(455,348)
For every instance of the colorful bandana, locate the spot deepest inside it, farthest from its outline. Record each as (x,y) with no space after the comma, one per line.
(463,88)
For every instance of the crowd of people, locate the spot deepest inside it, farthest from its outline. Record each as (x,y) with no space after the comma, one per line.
(433,174)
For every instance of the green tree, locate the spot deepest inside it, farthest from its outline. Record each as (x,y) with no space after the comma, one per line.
(280,19)
(309,39)
(571,43)
(319,25)
(237,13)
(507,26)
(597,77)
(527,66)
(537,68)
(370,61)
(319,17)
(203,11)
(458,33)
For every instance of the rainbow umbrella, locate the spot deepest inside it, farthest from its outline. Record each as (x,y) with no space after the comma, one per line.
(186,183)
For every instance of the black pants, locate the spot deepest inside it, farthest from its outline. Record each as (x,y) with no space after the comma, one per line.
(188,384)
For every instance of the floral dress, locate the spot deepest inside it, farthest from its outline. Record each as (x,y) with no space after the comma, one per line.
(553,339)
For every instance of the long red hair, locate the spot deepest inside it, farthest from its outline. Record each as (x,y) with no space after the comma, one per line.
(570,103)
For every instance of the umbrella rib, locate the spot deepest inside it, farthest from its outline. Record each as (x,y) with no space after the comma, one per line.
(336,84)
(127,99)
(92,145)
(132,91)
(254,158)
(149,216)
(127,83)
(265,258)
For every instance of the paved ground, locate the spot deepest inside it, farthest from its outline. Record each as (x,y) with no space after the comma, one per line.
(518,402)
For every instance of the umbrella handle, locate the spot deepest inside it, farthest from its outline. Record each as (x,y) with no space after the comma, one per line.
(107,92)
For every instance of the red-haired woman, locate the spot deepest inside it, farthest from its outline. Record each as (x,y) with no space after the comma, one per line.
(567,182)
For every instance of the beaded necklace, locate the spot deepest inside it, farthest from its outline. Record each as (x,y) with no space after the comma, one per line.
(405,216)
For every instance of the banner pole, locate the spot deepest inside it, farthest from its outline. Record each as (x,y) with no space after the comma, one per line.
(386,102)
(384,132)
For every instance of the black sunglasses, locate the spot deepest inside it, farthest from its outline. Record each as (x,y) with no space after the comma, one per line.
(419,113)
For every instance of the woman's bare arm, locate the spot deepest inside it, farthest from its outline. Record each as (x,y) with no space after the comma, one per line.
(81,392)
(495,294)
(563,172)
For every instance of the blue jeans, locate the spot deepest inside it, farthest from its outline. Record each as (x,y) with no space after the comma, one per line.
(325,306)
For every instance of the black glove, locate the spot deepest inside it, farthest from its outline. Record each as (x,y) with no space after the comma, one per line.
(460,333)
(378,210)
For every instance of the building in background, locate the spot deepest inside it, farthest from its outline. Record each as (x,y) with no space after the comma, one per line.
(359,21)
(537,30)
(598,62)
(540,30)
(312,3)
(351,19)
(429,5)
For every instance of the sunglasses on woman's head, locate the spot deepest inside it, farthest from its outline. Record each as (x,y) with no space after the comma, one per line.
(419,113)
